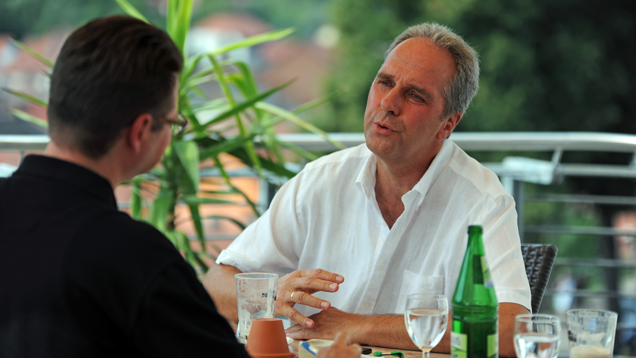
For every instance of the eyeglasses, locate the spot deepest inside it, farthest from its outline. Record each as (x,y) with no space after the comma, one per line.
(177,125)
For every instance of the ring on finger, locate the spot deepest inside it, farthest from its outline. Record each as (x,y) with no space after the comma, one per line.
(292,297)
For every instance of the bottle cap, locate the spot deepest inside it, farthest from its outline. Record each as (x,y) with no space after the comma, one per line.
(474,229)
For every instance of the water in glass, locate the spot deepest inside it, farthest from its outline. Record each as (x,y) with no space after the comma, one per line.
(537,345)
(537,336)
(426,317)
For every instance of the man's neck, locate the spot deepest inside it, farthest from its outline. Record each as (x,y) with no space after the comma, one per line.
(396,178)
(102,166)
(399,179)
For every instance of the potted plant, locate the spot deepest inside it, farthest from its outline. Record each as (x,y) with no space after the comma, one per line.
(243,119)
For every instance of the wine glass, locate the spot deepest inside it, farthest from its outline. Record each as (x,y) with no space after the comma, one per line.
(426,316)
(537,335)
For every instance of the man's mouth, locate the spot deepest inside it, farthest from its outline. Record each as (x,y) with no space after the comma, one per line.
(384,129)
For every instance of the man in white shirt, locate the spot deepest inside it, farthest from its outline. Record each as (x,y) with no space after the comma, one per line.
(358,230)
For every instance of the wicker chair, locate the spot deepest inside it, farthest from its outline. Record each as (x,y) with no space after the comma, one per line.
(538,259)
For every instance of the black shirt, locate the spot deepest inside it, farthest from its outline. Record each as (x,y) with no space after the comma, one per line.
(79,278)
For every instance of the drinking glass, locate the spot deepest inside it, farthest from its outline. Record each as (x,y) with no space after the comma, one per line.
(591,333)
(537,335)
(426,316)
(255,298)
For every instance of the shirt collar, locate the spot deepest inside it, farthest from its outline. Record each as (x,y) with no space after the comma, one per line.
(366,178)
(77,176)
(434,170)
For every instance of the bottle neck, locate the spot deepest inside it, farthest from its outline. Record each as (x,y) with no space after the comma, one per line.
(475,245)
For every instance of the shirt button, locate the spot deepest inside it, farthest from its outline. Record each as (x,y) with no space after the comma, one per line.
(381,266)
(367,304)
(384,224)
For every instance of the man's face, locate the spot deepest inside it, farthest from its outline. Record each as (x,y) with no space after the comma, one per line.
(402,120)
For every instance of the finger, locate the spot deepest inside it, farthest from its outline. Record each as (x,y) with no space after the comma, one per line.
(312,284)
(356,349)
(297,317)
(307,299)
(322,274)
(343,337)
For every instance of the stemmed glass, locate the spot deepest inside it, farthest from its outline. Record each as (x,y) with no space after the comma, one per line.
(537,335)
(426,316)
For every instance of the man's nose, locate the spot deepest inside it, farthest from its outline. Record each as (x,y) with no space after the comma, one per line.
(391,102)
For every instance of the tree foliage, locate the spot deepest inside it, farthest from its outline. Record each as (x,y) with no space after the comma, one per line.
(561,65)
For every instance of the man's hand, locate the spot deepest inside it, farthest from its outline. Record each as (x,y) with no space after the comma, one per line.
(327,324)
(341,348)
(377,330)
(298,287)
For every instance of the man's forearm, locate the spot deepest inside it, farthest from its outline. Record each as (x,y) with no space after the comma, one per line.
(385,331)
(219,282)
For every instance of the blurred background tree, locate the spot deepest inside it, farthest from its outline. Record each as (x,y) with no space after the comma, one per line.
(559,65)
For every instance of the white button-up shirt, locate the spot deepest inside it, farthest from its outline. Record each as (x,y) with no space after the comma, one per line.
(327,217)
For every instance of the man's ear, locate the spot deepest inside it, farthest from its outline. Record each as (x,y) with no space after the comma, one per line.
(449,125)
(138,131)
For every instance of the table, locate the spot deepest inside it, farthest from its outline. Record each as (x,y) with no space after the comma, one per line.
(407,353)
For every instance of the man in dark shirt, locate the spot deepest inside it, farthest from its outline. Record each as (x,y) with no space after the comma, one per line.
(78,278)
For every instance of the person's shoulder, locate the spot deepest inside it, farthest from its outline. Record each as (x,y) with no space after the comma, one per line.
(111,234)
(341,158)
(469,169)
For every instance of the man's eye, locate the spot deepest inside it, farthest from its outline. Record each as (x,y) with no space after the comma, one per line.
(417,97)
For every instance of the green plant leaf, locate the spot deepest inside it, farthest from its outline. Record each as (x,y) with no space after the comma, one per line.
(178,21)
(198,92)
(300,151)
(298,121)
(192,199)
(275,168)
(189,67)
(225,146)
(220,217)
(131,10)
(27,97)
(238,108)
(251,86)
(210,105)
(188,154)
(254,40)
(29,117)
(135,198)
(198,225)
(316,102)
(249,146)
(33,53)
(160,208)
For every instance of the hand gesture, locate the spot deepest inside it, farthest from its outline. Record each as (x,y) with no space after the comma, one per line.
(298,287)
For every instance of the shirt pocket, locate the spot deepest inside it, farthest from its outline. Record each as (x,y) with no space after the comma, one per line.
(415,283)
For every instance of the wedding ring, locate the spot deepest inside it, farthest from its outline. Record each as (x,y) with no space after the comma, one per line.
(292,297)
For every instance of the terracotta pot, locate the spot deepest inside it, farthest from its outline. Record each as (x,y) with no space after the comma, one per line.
(267,339)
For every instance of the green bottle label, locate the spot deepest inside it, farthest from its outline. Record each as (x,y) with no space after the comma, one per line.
(493,345)
(459,345)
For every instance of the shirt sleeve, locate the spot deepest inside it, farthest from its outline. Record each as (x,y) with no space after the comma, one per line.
(502,247)
(177,318)
(274,242)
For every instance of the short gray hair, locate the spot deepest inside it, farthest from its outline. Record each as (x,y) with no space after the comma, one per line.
(463,87)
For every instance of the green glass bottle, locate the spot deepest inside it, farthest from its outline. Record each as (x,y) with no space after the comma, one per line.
(474,306)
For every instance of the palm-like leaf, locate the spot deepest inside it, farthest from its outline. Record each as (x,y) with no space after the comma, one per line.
(242,109)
